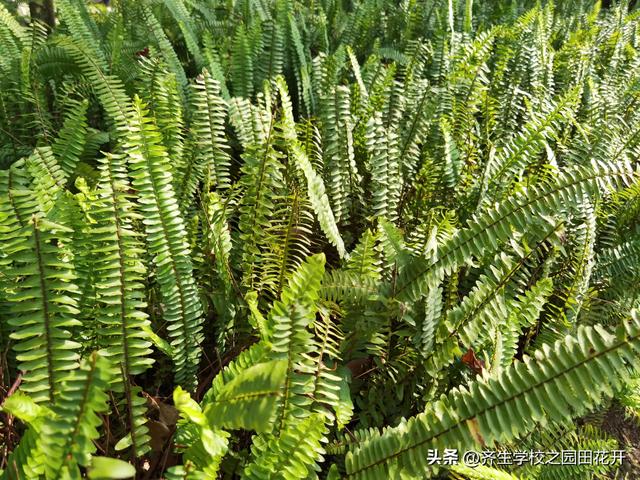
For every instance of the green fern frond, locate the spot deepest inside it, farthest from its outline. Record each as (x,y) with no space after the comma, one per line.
(69,145)
(82,29)
(250,399)
(165,48)
(166,240)
(242,68)
(562,381)
(208,445)
(7,20)
(384,168)
(180,13)
(119,293)
(108,88)
(208,127)
(576,292)
(524,314)
(315,185)
(292,455)
(43,307)
(27,460)
(164,98)
(522,150)
(338,151)
(67,437)
(48,178)
(495,225)
(262,181)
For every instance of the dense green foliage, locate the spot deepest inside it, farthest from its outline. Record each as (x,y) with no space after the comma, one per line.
(277,239)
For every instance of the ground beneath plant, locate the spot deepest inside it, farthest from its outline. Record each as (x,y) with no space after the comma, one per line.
(627,431)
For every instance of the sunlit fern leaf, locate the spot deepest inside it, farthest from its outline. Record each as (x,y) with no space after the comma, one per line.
(262,181)
(365,259)
(206,445)
(166,241)
(108,88)
(250,399)
(523,314)
(452,164)
(429,322)
(487,230)
(123,322)
(414,128)
(585,238)
(241,117)
(520,151)
(327,69)
(330,392)
(217,242)
(68,436)
(291,242)
(315,185)
(486,307)
(561,382)
(27,460)
(208,126)
(8,21)
(292,455)
(344,286)
(43,306)
(17,205)
(255,354)
(468,323)
(165,48)
(289,329)
(48,178)
(17,202)
(73,212)
(338,151)
(618,262)
(384,167)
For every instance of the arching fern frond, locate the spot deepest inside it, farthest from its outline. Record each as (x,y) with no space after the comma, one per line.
(315,185)
(495,225)
(68,147)
(561,382)
(81,28)
(292,455)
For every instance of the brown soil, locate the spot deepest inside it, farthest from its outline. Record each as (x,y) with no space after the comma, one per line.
(627,431)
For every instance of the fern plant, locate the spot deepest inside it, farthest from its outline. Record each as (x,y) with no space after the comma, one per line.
(273,239)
